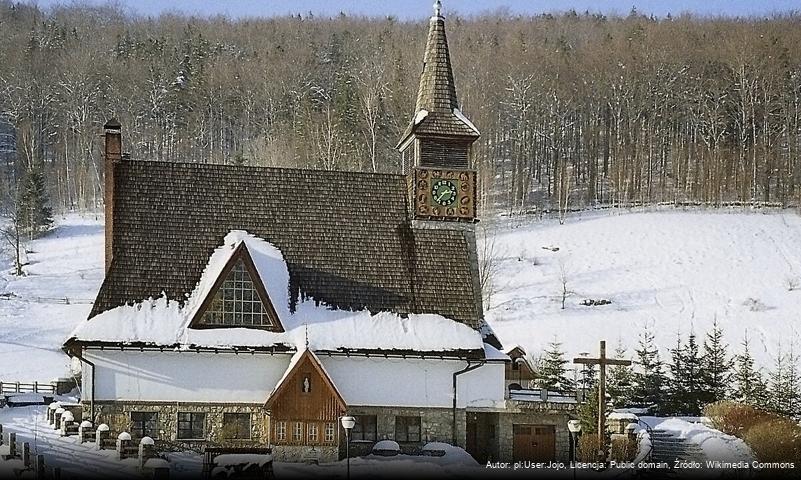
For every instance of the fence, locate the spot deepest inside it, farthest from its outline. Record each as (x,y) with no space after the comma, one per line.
(20,387)
(50,300)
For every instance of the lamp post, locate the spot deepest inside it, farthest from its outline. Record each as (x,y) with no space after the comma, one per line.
(574,427)
(348,422)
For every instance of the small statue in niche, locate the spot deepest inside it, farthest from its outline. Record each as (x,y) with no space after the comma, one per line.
(306,384)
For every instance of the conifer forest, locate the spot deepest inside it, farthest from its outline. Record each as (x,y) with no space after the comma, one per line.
(576,110)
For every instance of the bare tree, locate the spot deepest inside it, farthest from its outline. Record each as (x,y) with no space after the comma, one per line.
(489,258)
(564,278)
(12,235)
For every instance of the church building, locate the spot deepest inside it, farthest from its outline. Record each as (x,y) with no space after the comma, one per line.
(254,306)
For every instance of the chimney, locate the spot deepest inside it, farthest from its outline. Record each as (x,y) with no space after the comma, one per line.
(112,154)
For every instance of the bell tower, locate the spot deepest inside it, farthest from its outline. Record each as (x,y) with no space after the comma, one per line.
(436,147)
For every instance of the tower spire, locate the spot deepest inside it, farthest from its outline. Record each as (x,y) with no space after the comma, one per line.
(436,147)
(437,107)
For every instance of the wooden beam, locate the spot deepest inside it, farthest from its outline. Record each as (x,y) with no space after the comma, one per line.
(602,362)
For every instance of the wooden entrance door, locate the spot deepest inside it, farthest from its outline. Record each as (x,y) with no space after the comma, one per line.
(534,442)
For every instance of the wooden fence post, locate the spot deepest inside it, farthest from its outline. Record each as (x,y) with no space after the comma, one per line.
(40,467)
(12,444)
(35,387)
(1,433)
(16,385)
(56,473)
(26,454)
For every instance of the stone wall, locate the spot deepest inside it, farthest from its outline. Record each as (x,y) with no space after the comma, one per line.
(297,453)
(117,416)
(435,426)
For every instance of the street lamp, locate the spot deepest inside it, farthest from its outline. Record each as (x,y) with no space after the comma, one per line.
(348,422)
(574,427)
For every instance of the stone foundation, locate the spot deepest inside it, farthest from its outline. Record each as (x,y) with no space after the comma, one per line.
(495,427)
(296,453)
(117,415)
(435,426)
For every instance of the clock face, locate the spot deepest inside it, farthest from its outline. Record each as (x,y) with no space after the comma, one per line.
(444,192)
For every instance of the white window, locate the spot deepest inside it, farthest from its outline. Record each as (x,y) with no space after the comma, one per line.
(312,429)
(297,435)
(329,432)
(280,431)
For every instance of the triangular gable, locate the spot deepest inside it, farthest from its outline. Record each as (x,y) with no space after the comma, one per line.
(293,381)
(238,298)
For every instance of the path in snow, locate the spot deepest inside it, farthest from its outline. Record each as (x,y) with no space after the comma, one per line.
(75,460)
(687,441)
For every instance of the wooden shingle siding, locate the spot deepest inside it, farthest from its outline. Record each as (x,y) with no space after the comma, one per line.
(347,237)
(437,92)
(437,88)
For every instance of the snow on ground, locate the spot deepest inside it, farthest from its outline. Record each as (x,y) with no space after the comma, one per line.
(30,425)
(672,270)
(714,444)
(64,266)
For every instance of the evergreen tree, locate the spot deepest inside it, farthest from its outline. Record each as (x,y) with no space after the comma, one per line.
(784,385)
(649,379)
(587,378)
(675,402)
(715,366)
(749,387)
(588,412)
(692,378)
(551,371)
(620,381)
(33,212)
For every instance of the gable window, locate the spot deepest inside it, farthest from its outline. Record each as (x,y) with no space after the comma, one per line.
(238,298)
(191,425)
(237,302)
(236,426)
(329,432)
(145,424)
(407,429)
(280,431)
(297,434)
(312,431)
(366,428)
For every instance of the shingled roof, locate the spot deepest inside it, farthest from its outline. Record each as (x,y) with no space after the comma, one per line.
(437,92)
(346,237)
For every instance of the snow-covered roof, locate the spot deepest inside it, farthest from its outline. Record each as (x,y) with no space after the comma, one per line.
(162,322)
(492,353)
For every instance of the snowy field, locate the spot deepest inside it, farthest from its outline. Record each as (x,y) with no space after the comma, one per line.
(38,310)
(671,270)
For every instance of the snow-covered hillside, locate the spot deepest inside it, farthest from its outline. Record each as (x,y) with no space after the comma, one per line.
(672,270)
(38,310)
